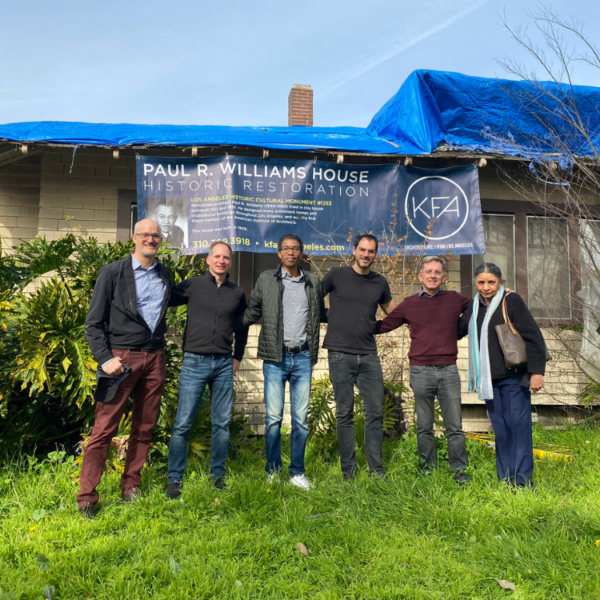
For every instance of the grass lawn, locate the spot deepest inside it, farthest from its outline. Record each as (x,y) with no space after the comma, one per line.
(411,536)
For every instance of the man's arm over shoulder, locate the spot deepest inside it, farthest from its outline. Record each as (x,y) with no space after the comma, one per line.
(395,319)
(464,300)
(387,303)
(180,293)
(253,313)
(464,320)
(241,332)
(327,281)
(98,315)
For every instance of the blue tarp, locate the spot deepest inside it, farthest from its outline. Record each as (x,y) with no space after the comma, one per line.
(523,118)
(431,109)
(351,139)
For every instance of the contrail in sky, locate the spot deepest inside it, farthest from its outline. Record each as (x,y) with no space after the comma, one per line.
(401,48)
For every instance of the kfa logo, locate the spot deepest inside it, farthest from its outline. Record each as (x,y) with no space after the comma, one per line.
(437,207)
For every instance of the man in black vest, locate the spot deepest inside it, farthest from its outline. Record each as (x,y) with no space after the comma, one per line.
(290,302)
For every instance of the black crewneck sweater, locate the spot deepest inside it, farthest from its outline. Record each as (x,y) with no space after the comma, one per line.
(213,311)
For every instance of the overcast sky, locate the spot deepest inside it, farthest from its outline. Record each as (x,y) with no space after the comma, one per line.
(233,63)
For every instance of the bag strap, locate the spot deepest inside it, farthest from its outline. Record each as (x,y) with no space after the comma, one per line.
(507,320)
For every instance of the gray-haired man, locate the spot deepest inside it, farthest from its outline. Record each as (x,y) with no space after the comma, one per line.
(432,316)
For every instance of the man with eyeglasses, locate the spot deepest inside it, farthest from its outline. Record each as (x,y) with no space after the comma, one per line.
(290,302)
(432,316)
(125,328)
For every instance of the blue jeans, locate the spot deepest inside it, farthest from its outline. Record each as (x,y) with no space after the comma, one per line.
(297,369)
(510,414)
(197,371)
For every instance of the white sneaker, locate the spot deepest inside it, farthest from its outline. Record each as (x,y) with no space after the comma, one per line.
(300,481)
(271,477)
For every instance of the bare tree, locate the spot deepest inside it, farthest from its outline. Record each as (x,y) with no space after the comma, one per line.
(561,180)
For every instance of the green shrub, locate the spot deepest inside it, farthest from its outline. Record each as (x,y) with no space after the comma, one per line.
(47,370)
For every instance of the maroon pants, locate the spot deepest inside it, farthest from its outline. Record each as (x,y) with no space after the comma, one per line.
(146,382)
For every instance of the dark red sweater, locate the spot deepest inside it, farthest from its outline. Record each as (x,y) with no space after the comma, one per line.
(433,324)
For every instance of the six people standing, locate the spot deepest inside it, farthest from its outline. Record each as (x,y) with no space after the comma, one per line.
(126,326)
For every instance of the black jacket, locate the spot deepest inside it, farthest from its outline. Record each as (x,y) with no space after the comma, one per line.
(213,312)
(113,321)
(266,301)
(523,322)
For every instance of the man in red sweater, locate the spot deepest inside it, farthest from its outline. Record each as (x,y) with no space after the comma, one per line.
(432,316)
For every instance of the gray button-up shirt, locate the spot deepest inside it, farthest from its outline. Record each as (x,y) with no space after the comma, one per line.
(295,308)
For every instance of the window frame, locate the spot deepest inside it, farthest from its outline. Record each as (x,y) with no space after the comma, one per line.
(570,270)
(514,248)
(521,210)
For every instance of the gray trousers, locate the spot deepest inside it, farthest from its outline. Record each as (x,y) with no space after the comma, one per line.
(443,382)
(364,371)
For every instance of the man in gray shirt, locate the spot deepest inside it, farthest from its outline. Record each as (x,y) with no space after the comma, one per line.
(290,302)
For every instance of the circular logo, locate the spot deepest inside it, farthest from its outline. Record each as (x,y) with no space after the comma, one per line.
(436,207)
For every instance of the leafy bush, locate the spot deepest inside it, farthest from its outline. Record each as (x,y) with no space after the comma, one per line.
(47,372)
(321,418)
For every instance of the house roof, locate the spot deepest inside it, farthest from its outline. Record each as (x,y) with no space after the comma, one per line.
(432,111)
(435,109)
(350,139)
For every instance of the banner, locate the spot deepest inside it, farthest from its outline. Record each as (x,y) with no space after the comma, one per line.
(251,202)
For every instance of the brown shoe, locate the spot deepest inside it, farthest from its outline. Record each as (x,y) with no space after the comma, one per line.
(87,510)
(132,496)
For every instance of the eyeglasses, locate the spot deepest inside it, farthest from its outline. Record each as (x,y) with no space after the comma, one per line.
(294,249)
(144,236)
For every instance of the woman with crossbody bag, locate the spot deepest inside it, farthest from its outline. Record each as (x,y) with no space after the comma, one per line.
(505,387)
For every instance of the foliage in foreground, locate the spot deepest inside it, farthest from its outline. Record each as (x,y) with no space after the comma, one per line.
(407,537)
(47,372)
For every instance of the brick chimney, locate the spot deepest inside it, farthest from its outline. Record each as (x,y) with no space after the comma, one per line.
(300,105)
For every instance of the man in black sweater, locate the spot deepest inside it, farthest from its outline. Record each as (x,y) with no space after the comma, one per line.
(215,304)
(355,293)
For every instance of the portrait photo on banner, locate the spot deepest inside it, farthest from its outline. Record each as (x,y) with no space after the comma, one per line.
(172,216)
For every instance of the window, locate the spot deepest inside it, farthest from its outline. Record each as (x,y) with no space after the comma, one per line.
(539,257)
(499,235)
(549,280)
